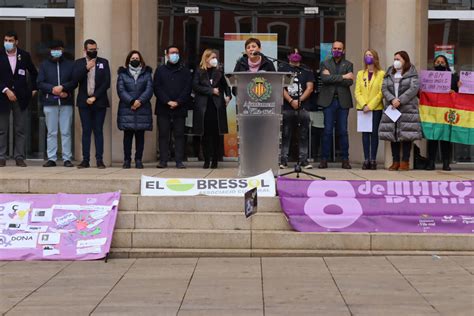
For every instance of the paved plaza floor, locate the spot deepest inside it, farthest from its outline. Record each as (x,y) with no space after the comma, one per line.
(392,285)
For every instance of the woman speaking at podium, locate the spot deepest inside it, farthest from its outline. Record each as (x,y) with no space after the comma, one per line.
(253,60)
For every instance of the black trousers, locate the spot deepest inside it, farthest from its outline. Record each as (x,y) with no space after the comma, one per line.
(92,120)
(210,138)
(166,123)
(316,138)
(139,144)
(433,150)
(406,146)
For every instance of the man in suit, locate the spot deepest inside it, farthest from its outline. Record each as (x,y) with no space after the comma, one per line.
(335,98)
(16,95)
(172,88)
(92,73)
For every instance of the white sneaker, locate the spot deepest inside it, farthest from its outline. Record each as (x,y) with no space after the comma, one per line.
(307,166)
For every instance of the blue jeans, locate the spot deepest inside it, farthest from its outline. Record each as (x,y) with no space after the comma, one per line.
(290,120)
(92,120)
(59,116)
(370,141)
(334,114)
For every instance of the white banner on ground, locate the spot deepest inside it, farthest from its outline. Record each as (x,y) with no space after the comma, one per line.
(151,186)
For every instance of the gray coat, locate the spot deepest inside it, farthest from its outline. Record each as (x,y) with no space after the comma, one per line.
(408,126)
(333,83)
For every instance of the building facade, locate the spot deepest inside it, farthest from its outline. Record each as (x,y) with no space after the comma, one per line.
(118,26)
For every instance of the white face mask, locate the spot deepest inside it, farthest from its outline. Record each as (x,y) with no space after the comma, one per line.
(397,64)
(213,62)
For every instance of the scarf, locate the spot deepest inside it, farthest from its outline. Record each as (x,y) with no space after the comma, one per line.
(135,71)
(253,67)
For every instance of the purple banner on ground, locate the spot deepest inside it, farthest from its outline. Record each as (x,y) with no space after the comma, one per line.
(57,226)
(378,206)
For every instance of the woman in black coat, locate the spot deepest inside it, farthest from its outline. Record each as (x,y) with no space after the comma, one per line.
(135,89)
(212,94)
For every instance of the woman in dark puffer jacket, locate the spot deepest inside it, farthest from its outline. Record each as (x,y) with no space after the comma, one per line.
(135,89)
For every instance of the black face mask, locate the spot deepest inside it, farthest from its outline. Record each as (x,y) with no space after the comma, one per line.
(135,63)
(440,68)
(91,54)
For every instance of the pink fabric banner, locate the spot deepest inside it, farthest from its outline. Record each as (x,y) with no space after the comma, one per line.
(57,226)
(378,206)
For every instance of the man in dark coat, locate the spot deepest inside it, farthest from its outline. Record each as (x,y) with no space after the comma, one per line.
(172,87)
(336,99)
(92,73)
(57,87)
(16,94)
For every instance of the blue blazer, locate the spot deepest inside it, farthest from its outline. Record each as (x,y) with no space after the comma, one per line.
(17,81)
(48,78)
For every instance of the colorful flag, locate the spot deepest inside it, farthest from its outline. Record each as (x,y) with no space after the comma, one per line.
(448,116)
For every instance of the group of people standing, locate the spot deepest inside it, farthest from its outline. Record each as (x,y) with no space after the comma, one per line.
(56,80)
(398,86)
(172,84)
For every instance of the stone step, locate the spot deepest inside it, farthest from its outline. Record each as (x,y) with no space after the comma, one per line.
(191,252)
(181,238)
(134,202)
(266,239)
(201,220)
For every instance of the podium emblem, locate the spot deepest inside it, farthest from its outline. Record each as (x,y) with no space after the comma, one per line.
(259,89)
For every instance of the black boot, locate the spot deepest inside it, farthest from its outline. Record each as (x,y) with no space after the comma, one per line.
(206,164)
(126,164)
(366,165)
(446,166)
(430,165)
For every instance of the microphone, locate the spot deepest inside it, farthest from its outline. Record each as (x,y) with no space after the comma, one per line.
(257,54)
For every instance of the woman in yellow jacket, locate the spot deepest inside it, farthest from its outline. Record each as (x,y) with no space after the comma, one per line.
(368,93)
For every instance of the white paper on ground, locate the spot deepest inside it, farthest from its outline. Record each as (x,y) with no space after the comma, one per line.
(364,121)
(103,208)
(83,251)
(36,229)
(99,214)
(49,238)
(393,113)
(94,224)
(71,207)
(91,242)
(49,251)
(65,219)
(40,215)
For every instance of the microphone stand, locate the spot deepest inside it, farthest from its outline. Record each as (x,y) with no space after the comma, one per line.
(297,169)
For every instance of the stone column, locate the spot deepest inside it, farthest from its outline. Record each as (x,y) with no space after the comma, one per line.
(117,26)
(357,41)
(393,25)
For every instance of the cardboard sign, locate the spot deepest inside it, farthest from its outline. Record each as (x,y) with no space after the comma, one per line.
(435,81)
